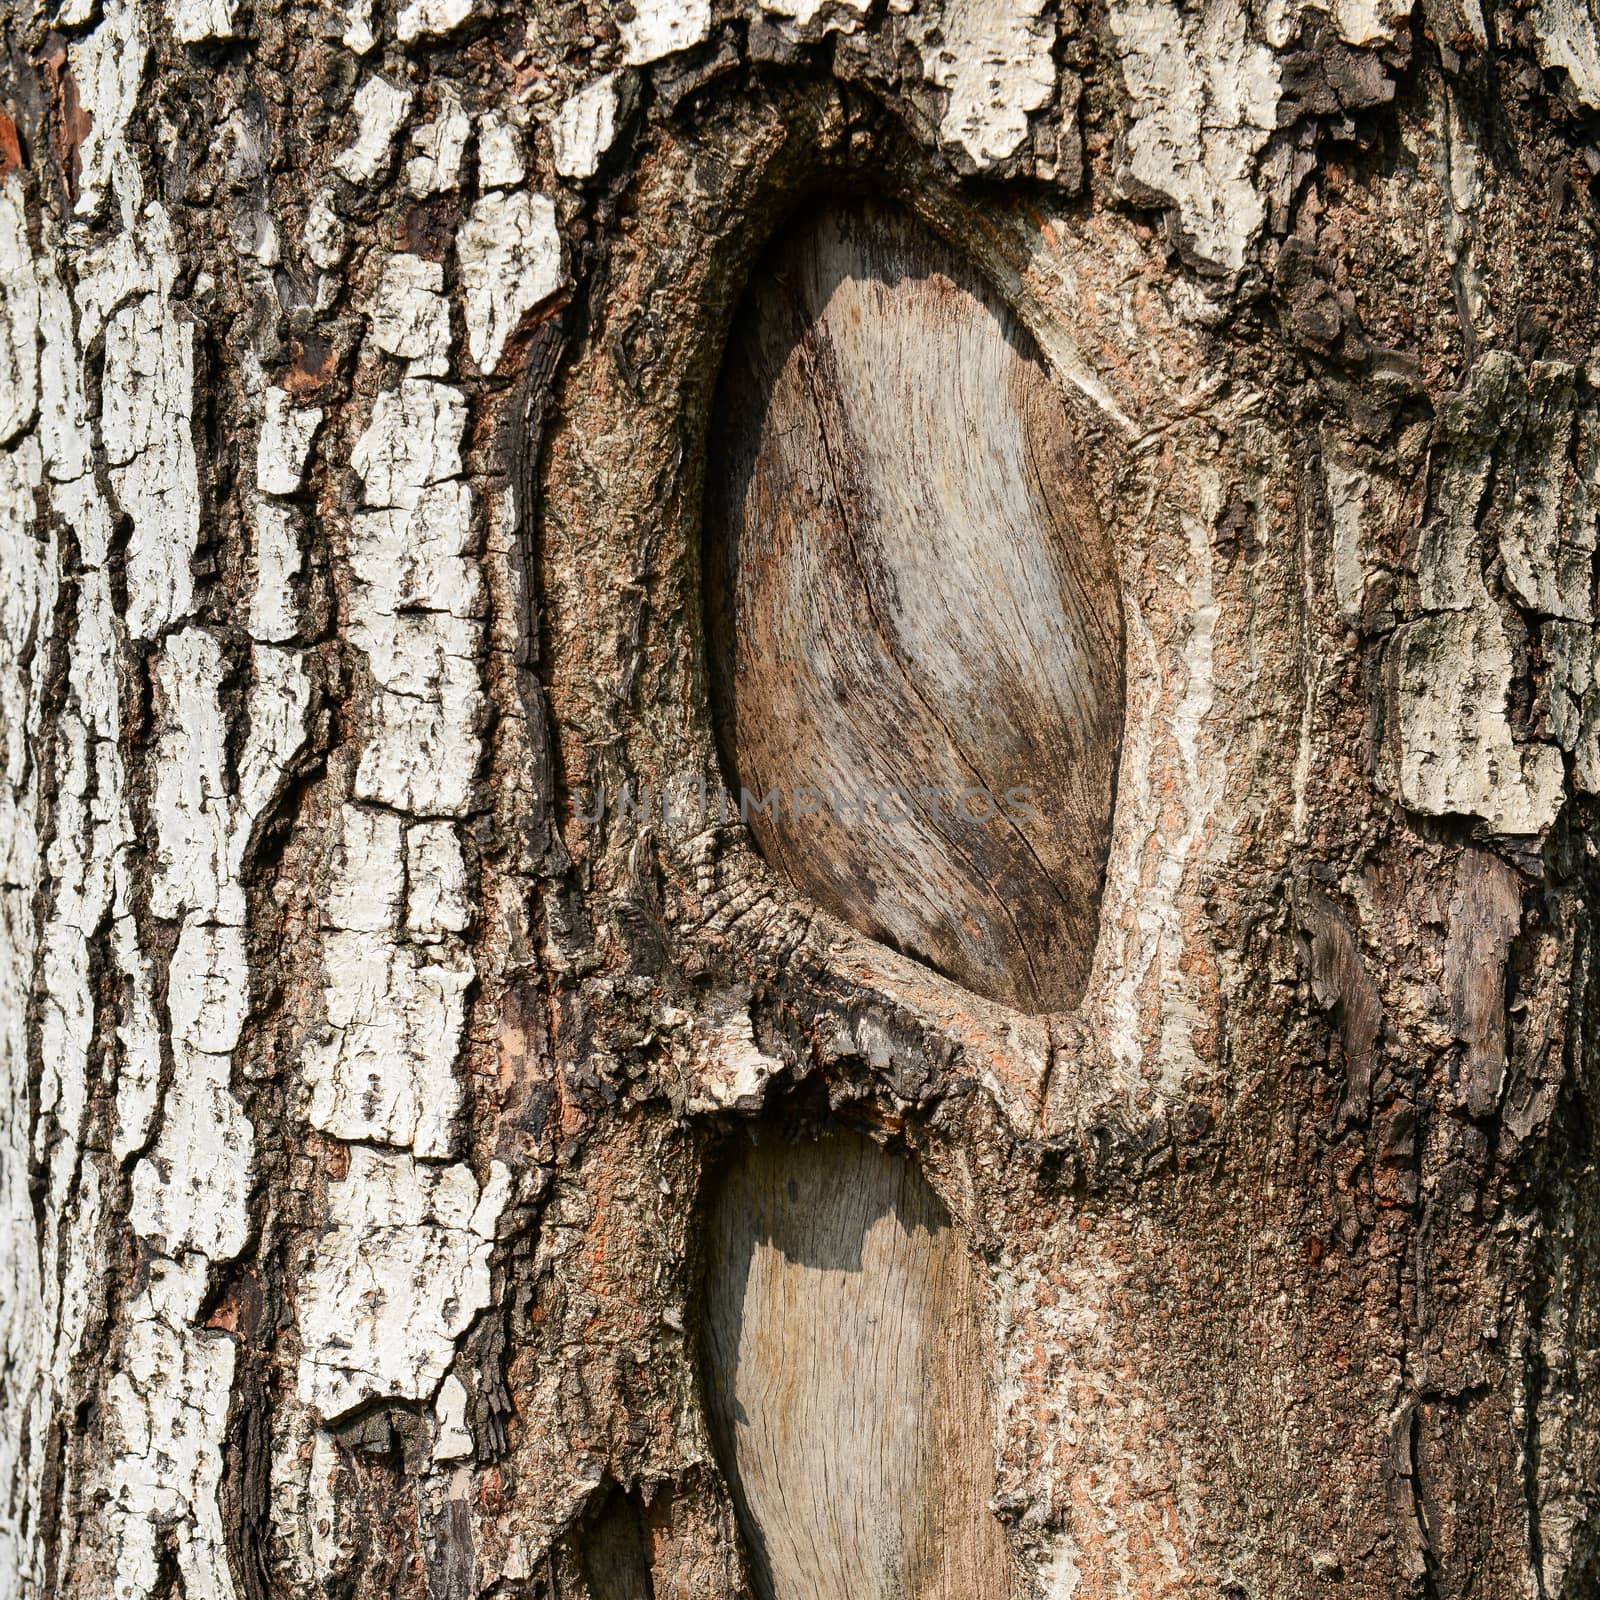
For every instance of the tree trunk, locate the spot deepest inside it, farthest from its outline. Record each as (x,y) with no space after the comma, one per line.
(449,451)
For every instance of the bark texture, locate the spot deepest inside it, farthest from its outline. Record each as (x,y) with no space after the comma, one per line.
(370,1084)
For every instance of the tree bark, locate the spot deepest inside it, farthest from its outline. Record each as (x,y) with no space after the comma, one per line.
(442,1155)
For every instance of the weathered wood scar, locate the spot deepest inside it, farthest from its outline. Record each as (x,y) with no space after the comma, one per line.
(915,631)
(847,1378)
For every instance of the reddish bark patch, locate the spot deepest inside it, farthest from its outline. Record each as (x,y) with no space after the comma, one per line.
(71,120)
(429,229)
(10,149)
(313,366)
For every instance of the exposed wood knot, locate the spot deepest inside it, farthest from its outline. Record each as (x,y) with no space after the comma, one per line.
(847,1378)
(913,615)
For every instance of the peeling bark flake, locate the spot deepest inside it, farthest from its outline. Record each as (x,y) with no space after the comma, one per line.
(409,1246)
(510,260)
(1204,101)
(381,109)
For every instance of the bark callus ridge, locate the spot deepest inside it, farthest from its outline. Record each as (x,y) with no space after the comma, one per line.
(915,628)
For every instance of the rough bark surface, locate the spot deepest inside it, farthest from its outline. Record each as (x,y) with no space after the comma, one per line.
(367,1081)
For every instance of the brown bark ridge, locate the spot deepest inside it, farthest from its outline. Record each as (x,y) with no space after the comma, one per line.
(397,1033)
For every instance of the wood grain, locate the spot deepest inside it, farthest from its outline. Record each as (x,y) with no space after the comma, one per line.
(908,587)
(846,1375)
(616,1565)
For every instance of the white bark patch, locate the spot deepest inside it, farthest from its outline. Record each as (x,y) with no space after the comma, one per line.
(585,127)
(424,18)
(500,163)
(422,755)
(1367,23)
(358,35)
(49,1268)
(274,602)
(91,829)
(1204,101)
(1370,22)
(369,875)
(314,1524)
(1060,1575)
(168,1398)
(196,20)
(409,1243)
(1458,165)
(411,317)
(279,706)
(148,396)
(1347,497)
(331,1537)
(436,883)
(454,1441)
(27,596)
(279,709)
(395,1281)
(1567,35)
(190,801)
(418,607)
(381,109)
(1514,473)
(1546,525)
(1458,755)
(661,27)
(108,66)
(509,252)
(734,1069)
(396,974)
(385,1070)
(414,559)
(443,144)
(324,235)
(285,441)
(994,56)
(167,1401)
(19,320)
(168,1405)
(192,1192)
(412,440)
